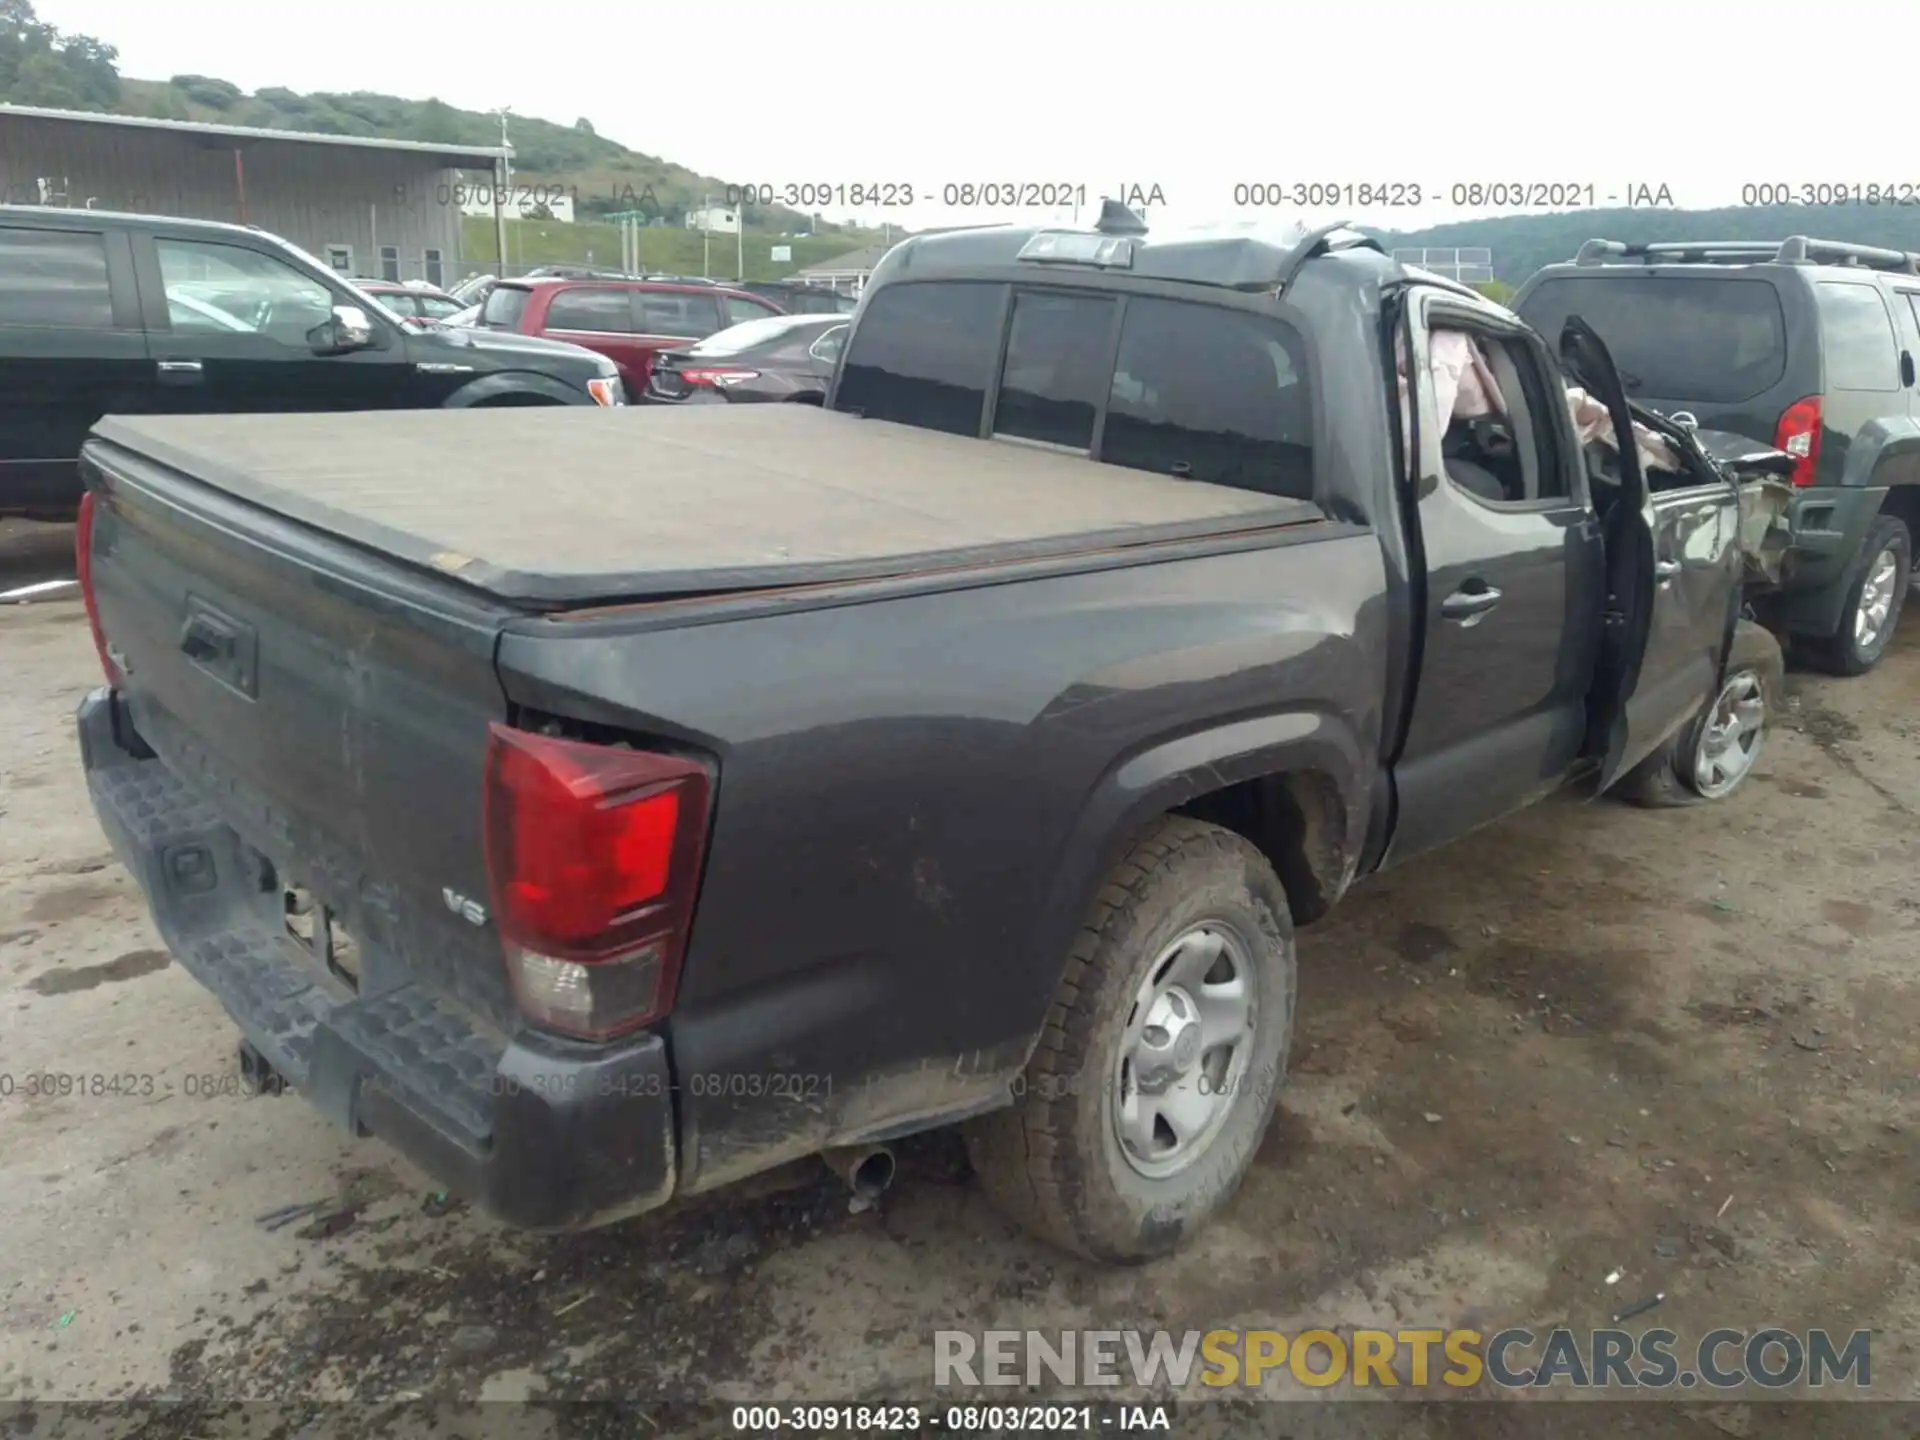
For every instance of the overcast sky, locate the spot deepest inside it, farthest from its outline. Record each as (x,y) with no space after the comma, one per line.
(1193,97)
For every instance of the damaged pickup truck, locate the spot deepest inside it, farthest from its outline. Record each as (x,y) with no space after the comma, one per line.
(604,806)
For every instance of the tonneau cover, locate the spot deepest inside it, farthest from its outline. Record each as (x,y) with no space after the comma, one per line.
(555,505)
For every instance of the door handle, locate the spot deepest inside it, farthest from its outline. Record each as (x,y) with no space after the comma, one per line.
(1666,569)
(204,638)
(179,372)
(1464,604)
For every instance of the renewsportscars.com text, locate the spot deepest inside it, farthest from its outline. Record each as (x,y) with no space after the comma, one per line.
(1513,1359)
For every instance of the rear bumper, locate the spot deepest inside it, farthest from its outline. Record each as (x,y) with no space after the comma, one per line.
(544,1135)
(1829,525)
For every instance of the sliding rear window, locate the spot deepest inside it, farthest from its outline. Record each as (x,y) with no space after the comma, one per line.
(1707,339)
(1187,389)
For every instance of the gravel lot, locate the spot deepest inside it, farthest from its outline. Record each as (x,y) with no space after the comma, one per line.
(1684,1045)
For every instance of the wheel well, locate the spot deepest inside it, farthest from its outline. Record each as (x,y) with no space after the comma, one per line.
(1903,501)
(1297,821)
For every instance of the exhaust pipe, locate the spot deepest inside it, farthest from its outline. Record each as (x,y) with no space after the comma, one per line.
(866,1170)
(257,1075)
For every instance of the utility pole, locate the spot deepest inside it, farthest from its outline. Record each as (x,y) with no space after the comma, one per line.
(740,241)
(506,184)
(706,237)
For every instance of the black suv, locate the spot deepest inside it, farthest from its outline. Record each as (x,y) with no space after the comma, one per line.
(127,314)
(1809,345)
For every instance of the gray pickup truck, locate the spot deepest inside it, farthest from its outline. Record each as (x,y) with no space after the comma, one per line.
(604,806)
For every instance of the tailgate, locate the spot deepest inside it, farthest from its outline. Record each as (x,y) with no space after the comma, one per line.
(329,705)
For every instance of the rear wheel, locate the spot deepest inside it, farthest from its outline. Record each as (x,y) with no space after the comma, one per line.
(1873,603)
(1713,756)
(1157,1069)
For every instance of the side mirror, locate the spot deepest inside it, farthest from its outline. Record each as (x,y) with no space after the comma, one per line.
(348,329)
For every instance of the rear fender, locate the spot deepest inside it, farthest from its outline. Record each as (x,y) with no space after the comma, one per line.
(522,385)
(1319,754)
(1883,453)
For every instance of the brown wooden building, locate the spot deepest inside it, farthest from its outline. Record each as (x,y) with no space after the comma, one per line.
(387,209)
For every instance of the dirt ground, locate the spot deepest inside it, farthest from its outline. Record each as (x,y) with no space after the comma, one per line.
(1682,1045)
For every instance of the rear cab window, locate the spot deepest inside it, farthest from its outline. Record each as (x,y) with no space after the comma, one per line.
(1185,388)
(1706,339)
(504,307)
(1856,337)
(1212,394)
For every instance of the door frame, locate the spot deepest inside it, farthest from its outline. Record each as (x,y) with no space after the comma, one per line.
(1553,745)
(1636,590)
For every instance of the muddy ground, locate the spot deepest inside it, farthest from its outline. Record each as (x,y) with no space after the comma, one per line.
(1681,1045)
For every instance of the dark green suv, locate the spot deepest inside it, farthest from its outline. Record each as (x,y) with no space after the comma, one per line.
(1808,345)
(138,314)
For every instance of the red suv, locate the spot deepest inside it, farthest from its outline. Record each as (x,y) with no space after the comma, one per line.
(628,321)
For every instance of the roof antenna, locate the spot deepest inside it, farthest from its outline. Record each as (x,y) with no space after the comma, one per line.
(1117,219)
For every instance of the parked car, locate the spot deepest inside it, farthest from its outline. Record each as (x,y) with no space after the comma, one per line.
(417,304)
(782,357)
(965,751)
(1807,345)
(798,299)
(628,321)
(462,318)
(136,314)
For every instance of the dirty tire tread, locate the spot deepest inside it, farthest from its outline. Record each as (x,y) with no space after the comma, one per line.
(1836,654)
(1656,782)
(1022,1155)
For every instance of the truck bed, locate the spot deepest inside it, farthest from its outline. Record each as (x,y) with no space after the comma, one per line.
(550,507)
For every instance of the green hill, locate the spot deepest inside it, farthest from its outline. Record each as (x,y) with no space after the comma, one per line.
(670,249)
(1521,244)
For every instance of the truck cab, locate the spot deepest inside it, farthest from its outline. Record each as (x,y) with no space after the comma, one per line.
(1557,609)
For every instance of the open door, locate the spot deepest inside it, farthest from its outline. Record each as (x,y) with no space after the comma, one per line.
(1674,572)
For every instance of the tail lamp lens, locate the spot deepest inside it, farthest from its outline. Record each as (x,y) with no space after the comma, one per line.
(1799,435)
(83,572)
(719,376)
(593,854)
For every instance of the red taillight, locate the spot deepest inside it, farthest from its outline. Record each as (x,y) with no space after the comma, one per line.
(83,571)
(1799,435)
(718,375)
(594,854)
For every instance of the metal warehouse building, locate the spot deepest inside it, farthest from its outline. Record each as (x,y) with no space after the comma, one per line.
(382,208)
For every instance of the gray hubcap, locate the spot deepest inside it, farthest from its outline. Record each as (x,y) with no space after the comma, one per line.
(1183,1059)
(1730,739)
(1876,600)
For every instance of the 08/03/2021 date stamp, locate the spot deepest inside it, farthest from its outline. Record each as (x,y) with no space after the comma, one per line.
(1466,194)
(902,194)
